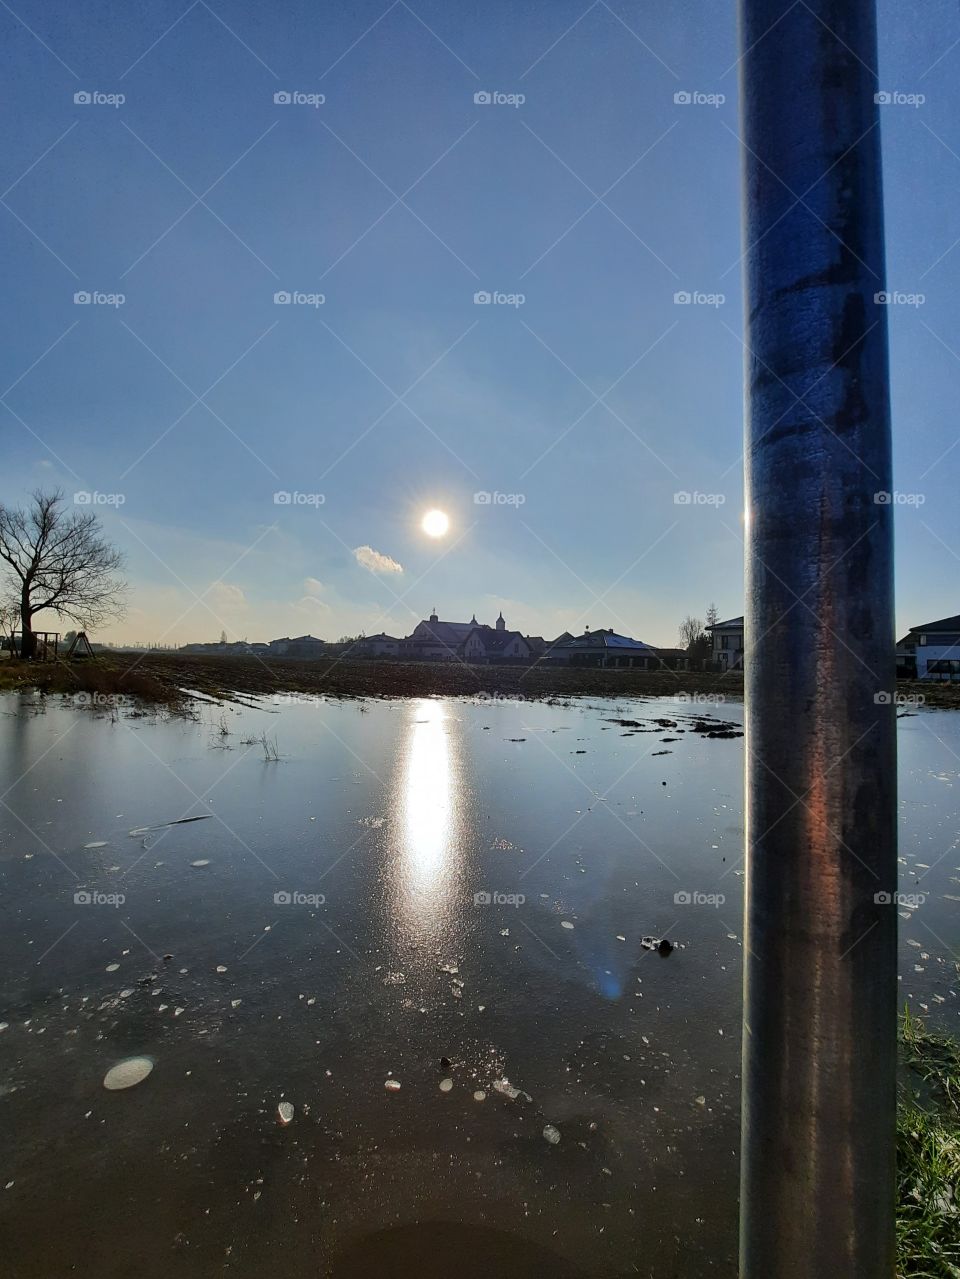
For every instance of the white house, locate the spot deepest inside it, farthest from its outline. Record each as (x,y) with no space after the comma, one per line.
(727,640)
(938,648)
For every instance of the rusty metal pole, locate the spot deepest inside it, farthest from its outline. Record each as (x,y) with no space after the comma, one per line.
(819,1044)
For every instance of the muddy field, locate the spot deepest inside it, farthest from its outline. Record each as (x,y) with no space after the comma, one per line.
(178,680)
(173,678)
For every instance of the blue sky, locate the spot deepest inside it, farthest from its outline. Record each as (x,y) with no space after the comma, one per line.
(589,404)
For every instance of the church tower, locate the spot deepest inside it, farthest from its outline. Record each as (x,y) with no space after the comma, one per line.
(501,624)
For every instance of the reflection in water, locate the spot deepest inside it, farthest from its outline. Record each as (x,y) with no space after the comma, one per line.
(428,804)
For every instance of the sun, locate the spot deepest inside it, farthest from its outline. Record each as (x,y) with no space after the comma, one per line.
(435,523)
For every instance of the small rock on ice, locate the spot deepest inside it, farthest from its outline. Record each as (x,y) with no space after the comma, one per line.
(125,1074)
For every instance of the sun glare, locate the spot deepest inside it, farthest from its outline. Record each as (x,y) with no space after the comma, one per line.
(435,523)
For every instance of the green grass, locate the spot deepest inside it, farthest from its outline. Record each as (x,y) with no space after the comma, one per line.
(928,1157)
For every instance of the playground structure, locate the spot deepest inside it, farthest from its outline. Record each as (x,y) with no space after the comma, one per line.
(46,645)
(79,647)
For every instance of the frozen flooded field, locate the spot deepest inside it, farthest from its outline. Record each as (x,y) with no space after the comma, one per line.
(447,895)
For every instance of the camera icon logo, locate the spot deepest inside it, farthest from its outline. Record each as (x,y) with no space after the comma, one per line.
(882,298)
(83,298)
(82,498)
(282,898)
(882,99)
(82,897)
(82,98)
(483,98)
(882,498)
(282,99)
(282,498)
(883,699)
(682,98)
(882,898)
(482,498)
(682,298)
(682,898)
(682,498)
(482,298)
(482,899)
(282,298)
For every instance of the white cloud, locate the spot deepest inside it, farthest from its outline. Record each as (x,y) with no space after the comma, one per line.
(222,597)
(373,560)
(312,586)
(311,604)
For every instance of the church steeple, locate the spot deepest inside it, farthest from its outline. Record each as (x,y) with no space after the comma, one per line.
(501,624)
(433,615)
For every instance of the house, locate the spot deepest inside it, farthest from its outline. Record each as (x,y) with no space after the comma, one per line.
(302,646)
(937,648)
(379,645)
(603,648)
(497,644)
(473,641)
(433,640)
(727,638)
(674,659)
(906,655)
(547,654)
(238,648)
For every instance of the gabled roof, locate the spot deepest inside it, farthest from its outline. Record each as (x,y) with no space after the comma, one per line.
(493,640)
(944,624)
(449,633)
(606,639)
(734,623)
(381,635)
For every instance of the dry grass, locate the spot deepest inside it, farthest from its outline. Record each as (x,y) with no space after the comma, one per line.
(928,1157)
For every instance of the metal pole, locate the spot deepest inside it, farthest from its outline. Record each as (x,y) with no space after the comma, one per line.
(819,1044)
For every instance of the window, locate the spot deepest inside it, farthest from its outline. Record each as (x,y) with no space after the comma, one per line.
(922,639)
(724,642)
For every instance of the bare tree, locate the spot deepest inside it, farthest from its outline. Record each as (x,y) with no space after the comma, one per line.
(712,615)
(691,629)
(9,621)
(696,641)
(59,560)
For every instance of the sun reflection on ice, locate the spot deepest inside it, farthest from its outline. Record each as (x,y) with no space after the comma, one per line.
(429,804)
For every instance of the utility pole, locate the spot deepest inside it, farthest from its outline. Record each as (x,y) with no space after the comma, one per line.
(819,1043)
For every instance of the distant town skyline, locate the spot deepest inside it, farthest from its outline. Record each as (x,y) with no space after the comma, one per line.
(312,279)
